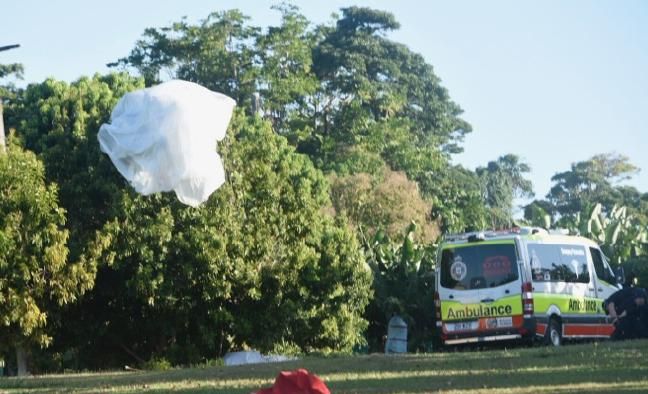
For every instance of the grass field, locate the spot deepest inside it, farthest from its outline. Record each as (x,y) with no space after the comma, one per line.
(595,367)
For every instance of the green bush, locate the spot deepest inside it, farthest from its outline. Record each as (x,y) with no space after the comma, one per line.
(157,364)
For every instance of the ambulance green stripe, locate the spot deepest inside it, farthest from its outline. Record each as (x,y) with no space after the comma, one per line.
(568,304)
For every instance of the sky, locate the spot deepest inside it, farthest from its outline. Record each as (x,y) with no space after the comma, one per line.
(554,82)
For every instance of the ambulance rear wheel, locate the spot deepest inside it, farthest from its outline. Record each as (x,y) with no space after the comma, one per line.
(553,336)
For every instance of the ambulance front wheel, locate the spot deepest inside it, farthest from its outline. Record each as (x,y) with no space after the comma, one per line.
(553,336)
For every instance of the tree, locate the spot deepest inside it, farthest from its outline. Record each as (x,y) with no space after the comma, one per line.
(378,99)
(595,181)
(501,182)
(14,70)
(36,275)
(537,214)
(387,204)
(59,122)
(367,80)
(218,54)
(7,91)
(286,79)
(456,197)
(588,182)
(260,264)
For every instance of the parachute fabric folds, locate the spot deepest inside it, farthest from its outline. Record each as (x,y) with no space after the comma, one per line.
(165,137)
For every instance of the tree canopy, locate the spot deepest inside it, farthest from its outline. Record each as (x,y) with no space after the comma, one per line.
(502,181)
(36,276)
(343,94)
(588,182)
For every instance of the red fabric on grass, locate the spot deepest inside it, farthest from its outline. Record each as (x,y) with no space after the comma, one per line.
(299,381)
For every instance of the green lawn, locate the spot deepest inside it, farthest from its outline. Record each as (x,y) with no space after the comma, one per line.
(603,367)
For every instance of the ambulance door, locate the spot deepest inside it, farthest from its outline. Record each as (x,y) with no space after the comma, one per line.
(458,289)
(502,287)
(605,285)
(480,287)
(581,317)
(564,286)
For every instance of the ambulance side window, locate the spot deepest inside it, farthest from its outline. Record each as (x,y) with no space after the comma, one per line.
(544,258)
(558,263)
(603,270)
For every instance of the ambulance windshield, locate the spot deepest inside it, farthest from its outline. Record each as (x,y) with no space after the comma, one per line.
(477,266)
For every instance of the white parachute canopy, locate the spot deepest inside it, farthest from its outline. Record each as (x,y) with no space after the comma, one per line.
(165,138)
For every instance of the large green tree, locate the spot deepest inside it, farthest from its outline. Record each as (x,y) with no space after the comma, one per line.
(381,93)
(35,274)
(258,265)
(286,81)
(457,199)
(59,122)
(502,181)
(597,180)
(589,182)
(261,264)
(380,100)
(13,69)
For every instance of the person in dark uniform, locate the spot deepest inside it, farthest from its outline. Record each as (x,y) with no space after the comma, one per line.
(630,280)
(629,313)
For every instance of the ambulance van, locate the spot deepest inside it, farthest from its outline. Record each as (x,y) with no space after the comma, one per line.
(521,284)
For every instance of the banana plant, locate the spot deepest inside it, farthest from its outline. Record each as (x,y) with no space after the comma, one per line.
(620,235)
(403,284)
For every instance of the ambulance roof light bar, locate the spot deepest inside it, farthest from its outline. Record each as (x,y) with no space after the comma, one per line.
(476,236)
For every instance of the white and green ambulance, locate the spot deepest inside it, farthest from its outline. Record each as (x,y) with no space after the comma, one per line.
(523,283)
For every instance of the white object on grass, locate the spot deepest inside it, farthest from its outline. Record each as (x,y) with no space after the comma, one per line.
(254,357)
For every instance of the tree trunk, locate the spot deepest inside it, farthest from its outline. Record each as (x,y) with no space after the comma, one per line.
(21,360)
